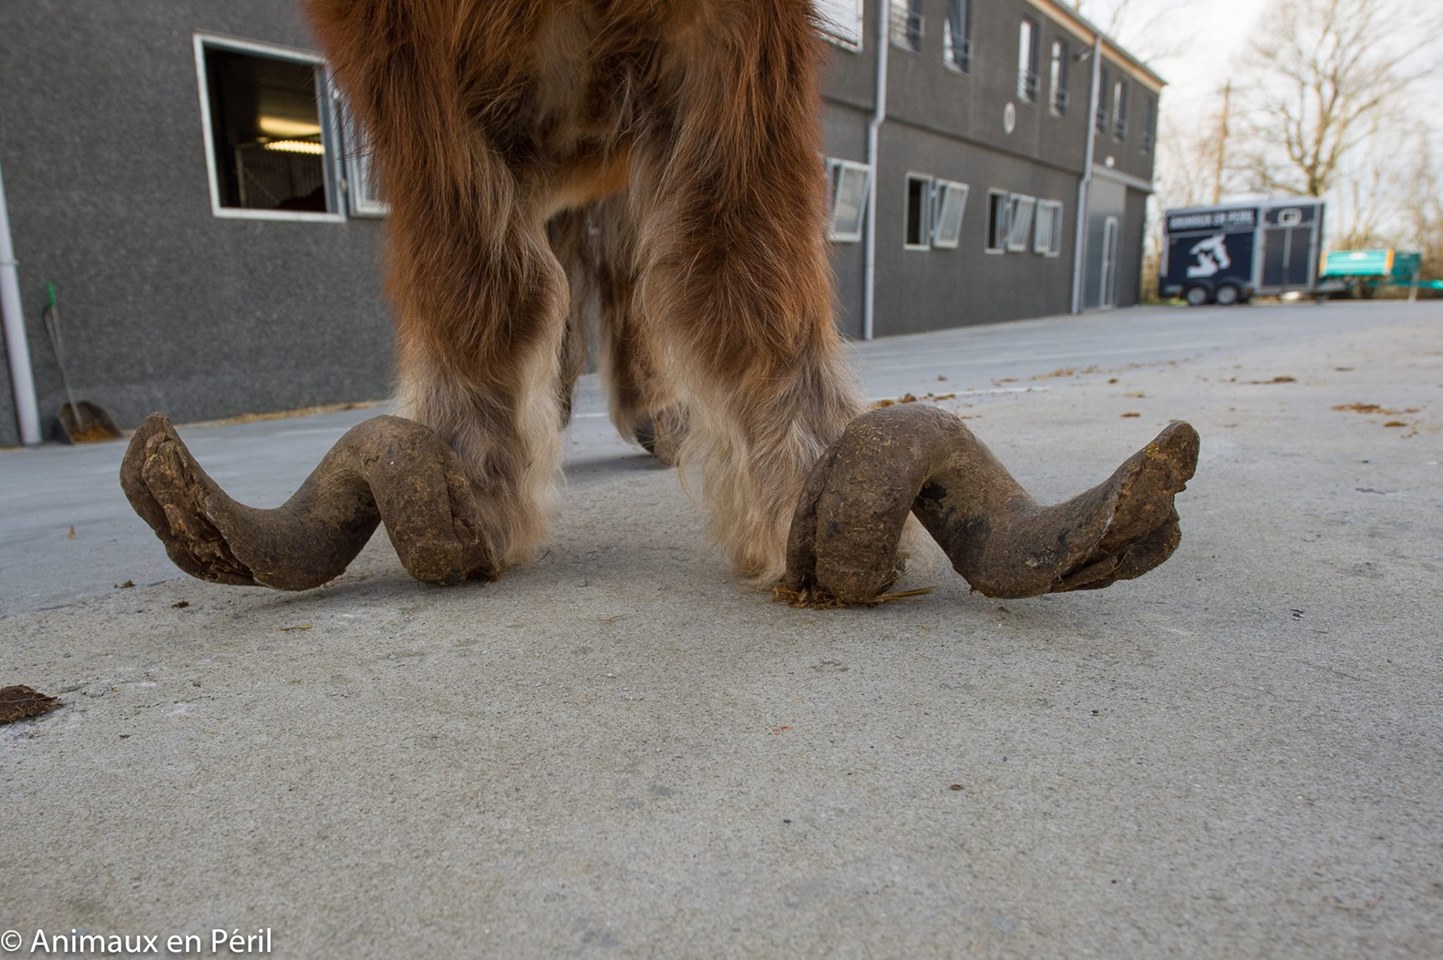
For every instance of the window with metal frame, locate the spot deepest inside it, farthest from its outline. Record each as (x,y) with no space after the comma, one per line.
(1019,221)
(270,139)
(363,193)
(957,35)
(1047,236)
(950,203)
(1119,109)
(849,185)
(1027,60)
(841,21)
(998,222)
(1057,71)
(918,228)
(907,24)
(1100,121)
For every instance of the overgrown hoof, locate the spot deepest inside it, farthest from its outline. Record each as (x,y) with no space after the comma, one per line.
(385,470)
(923,460)
(171,492)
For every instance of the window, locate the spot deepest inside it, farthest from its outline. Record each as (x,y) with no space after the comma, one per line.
(957,35)
(997,221)
(363,197)
(1119,109)
(841,21)
(849,185)
(1057,77)
(907,24)
(1019,221)
(950,201)
(1149,122)
(268,138)
(1100,122)
(919,212)
(1047,238)
(1027,60)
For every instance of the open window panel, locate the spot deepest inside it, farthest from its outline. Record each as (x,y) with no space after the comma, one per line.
(1047,237)
(950,202)
(362,187)
(998,220)
(849,186)
(1019,220)
(269,135)
(840,21)
(918,234)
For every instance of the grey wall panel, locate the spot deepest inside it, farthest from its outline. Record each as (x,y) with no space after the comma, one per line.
(1129,289)
(1131,153)
(925,92)
(845,129)
(850,75)
(165,305)
(1109,199)
(937,288)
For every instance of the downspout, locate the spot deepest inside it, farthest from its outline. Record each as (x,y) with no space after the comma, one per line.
(874,130)
(22,381)
(1084,188)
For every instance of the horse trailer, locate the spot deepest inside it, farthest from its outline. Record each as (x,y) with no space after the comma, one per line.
(1226,254)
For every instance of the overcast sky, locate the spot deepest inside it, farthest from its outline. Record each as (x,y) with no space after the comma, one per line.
(1189,42)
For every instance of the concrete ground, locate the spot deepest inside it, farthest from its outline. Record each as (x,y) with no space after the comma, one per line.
(622,751)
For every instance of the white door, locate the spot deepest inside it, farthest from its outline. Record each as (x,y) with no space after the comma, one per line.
(1108,289)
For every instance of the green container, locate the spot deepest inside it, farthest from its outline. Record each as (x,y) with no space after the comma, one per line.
(1384,265)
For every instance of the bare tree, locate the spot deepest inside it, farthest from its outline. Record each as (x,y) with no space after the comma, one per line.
(1424,199)
(1322,76)
(1145,27)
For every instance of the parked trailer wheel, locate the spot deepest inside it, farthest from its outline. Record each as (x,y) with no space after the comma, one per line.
(1197,295)
(1227,295)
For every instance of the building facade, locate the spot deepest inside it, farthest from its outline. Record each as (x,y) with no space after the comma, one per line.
(182,173)
(994,125)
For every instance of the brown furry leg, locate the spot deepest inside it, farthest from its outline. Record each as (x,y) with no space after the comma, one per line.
(479,297)
(570,235)
(735,273)
(640,397)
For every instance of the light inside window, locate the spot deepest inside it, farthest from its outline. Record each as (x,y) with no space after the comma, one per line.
(266,132)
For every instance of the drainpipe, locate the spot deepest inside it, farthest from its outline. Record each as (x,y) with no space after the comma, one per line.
(874,130)
(1084,189)
(27,411)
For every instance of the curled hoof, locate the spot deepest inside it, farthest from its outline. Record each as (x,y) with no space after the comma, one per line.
(920,459)
(385,470)
(170,491)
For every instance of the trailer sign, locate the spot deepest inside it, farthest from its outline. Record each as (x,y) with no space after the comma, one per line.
(1244,219)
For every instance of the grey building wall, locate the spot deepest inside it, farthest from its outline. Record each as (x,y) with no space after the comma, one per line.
(925,92)
(164,305)
(845,130)
(936,288)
